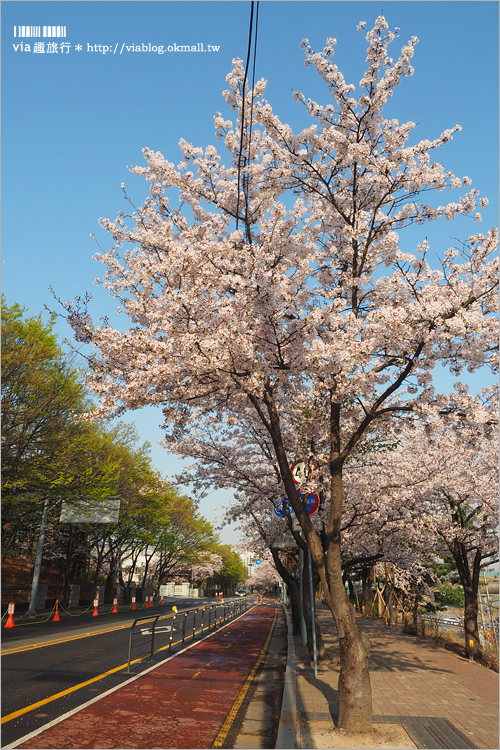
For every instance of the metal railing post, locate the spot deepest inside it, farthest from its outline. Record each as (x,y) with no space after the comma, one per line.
(171,633)
(130,647)
(184,627)
(153,638)
(154,621)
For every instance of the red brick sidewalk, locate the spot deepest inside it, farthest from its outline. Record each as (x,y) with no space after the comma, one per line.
(411,677)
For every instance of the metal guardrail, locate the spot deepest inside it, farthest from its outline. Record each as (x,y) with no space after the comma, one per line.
(212,616)
(143,620)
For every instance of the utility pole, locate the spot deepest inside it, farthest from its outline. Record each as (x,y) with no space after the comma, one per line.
(38,560)
(313,615)
(303,631)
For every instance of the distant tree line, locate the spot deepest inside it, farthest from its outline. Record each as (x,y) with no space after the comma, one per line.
(51,451)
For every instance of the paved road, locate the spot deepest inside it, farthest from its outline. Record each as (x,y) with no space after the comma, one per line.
(189,700)
(47,671)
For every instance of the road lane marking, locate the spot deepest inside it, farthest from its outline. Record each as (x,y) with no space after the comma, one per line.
(67,639)
(224,730)
(54,697)
(76,710)
(38,704)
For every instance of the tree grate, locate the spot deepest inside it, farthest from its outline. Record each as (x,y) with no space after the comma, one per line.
(429,731)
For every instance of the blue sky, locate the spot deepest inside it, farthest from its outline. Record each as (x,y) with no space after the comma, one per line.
(73,120)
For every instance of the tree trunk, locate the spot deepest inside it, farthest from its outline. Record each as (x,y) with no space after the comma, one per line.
(366,578)
(469,578)
(292,588)
(100,555)
(354,690)
(472,643)
(415,609)
(354,693)
(348,580)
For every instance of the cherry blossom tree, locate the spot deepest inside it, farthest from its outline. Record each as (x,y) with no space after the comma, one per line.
(264,576)
(276,287)
(447,472)
(207,564)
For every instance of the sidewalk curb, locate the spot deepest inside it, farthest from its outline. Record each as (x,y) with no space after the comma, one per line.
(286,739)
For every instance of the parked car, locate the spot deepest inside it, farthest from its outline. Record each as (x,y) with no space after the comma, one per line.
(240,593)
(451,620)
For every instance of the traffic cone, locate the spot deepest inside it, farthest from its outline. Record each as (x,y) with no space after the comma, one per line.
(10,620)
(56,617)
(161,602)
(133,603)
(96,604)
(146,606)
(115,608)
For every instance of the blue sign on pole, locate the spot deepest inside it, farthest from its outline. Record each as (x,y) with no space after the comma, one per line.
(257,562)
(312,502)
(280,511)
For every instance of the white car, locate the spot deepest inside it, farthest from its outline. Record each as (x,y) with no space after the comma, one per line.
(451,620)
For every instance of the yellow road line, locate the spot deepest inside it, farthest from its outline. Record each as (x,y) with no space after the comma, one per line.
(67,639)
(224,730)
(73,689)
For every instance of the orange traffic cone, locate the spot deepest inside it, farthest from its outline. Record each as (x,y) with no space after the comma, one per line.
(161,602)
(56,617)
(133,603)
(115,608)
(96,604)
(10,620)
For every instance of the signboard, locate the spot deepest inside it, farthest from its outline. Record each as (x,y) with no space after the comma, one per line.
(280,510)
(318,525)
(286,544)
(311,502)
(302,472)
(90,511)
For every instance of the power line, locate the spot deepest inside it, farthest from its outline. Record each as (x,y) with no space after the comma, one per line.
(242,159)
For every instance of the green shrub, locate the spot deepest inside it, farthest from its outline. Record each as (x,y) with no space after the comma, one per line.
(410,630)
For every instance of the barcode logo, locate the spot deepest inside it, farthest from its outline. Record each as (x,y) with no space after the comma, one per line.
(34,31)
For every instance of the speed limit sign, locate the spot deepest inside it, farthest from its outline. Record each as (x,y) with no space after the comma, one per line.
(301,472)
